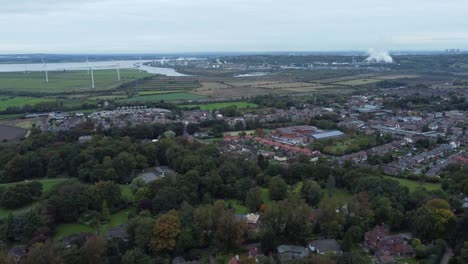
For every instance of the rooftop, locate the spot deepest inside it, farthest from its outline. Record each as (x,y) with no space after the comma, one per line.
(328,134)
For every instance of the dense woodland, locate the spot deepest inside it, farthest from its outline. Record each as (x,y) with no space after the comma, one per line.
(193,214)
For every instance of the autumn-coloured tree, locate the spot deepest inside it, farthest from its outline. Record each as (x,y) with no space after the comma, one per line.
(165,231)
(230,231)
(433,218)
(94,250)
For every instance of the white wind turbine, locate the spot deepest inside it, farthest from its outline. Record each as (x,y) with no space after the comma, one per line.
(92,76)
(87,63)
(45,70)
(118,71)
(139,62)
(117,67)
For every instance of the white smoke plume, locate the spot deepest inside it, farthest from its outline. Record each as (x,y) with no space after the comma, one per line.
(379,56)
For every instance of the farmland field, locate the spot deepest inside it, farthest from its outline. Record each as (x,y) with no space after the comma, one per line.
(164,96)
(397,76)
(65,82)
(10,133)
(165,83)
(358,82)
(19,101)
(213,106)
(159,92)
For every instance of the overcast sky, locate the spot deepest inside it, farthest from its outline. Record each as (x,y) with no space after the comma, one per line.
(160,26)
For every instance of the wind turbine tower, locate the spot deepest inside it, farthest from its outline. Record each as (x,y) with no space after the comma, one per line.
(92,77)
(87,63)
(45,70)
(118,71)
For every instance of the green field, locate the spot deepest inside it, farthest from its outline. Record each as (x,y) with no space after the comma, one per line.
(357,82)
(19,101)
(116,220)
(167,83)
(65,81)
(164,96)
(159,92)
(413,185)
(214,106)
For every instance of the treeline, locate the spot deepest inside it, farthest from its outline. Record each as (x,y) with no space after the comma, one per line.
(112,154)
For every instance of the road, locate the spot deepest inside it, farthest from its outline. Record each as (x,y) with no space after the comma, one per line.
(446,258)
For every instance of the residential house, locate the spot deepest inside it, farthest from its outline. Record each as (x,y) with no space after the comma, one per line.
(182,260)
(388,246)
(16,253)
(289,252)
(325,246)
(117,233)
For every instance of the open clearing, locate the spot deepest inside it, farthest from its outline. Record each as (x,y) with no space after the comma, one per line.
(397,76)
(167,83)
(47,186)
(237,92)
(413,185)
(311,88)
(160,92)
(358,82)
(164,96)
(116,220)
(214,106)
(65,81)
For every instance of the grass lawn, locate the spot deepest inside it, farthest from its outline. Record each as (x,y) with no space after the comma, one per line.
(413,185)
(116,220)
(236,133)
(126,192)
(212,106)
(19,101)
(163,96)
(238,206)
(407,261)
(47,185)
(5,212)
(66,81)
(68,229)
(213,140)
(266,196)
(341,195)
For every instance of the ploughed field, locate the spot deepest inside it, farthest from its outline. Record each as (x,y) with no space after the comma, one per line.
(11,133)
